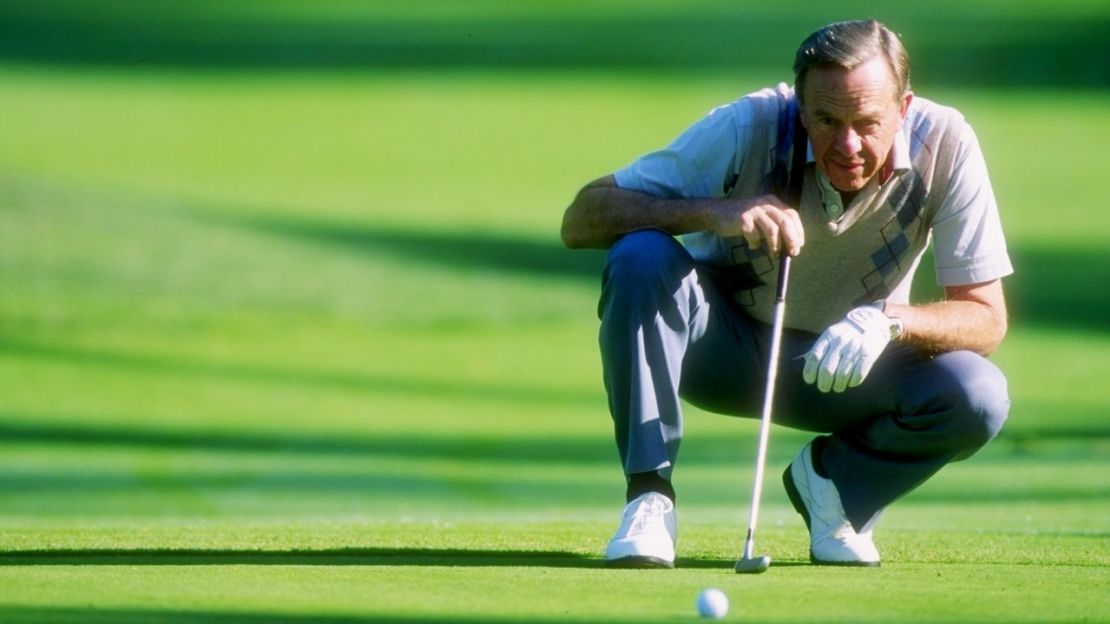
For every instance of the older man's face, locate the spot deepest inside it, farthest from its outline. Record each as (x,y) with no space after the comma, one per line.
(852,118)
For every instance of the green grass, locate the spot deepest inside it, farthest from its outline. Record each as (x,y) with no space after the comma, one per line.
(992,42)
(289,346)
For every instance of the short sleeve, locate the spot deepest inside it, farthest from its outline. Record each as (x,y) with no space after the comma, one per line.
(968,241)
(702,162)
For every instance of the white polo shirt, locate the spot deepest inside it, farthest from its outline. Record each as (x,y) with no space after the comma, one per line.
(967,238)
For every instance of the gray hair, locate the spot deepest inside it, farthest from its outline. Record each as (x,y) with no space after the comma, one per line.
(849,45)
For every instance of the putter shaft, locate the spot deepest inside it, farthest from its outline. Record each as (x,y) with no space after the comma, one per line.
(768,399)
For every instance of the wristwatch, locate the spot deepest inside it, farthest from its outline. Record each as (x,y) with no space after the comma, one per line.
(897,327)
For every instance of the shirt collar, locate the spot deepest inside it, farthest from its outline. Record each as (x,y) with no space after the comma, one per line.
(899,159)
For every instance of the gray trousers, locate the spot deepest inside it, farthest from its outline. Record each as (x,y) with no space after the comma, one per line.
(667,332)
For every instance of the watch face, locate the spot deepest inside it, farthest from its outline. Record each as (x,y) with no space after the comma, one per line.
(896,328)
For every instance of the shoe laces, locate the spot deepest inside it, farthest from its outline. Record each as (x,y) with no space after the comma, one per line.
(647,516)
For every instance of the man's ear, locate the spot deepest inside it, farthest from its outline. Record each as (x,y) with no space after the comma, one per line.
(906,100)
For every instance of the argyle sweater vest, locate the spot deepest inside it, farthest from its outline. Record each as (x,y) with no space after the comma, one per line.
(869,254)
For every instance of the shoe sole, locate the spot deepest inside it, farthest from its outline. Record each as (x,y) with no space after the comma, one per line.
(794,495)
(800,506)
(844,564)
(639,563)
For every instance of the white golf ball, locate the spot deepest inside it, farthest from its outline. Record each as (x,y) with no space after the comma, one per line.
(712,603)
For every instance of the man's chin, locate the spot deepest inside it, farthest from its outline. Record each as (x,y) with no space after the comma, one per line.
(849,186)
(844,181)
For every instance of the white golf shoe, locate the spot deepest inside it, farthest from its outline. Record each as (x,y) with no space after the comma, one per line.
(832,540)
(646,536)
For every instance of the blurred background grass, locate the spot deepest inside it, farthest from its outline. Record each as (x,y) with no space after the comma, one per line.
(989,43)
(281,288)
(289,260)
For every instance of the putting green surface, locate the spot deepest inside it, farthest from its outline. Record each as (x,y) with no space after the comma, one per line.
(302,345)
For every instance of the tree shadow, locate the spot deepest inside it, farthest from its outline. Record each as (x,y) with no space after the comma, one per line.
(382,385)
(1053,285)
(1057,286)
(363,557)
(1035,49)
(95,614)
(461,250)
(15,429)
(439,557)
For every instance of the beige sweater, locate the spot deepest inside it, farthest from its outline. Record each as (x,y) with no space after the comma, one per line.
(869,253)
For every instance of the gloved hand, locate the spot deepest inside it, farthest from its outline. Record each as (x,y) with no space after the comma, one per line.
(843,355)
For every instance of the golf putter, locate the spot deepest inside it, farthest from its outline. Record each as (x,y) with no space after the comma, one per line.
(749,563)
(795,132)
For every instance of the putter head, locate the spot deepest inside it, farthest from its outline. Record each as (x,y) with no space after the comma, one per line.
(755,565)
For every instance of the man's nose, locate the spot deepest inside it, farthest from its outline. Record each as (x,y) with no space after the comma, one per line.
(848,142)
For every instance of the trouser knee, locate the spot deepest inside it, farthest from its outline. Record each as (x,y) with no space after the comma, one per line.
(645,253)
(645,263)
(981,399)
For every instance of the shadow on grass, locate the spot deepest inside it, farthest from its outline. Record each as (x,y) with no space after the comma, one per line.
(101,615)
(1053,286)
(439,557)
(1035,49)
(310,377)
(16,428)
(369,481)
(450,557)
(468,250)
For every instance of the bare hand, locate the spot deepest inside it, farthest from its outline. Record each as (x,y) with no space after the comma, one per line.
(760,220)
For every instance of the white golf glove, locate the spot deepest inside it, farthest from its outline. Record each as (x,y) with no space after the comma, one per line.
(843,355)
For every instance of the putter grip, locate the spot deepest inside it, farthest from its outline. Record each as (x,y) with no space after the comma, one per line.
(784,274)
